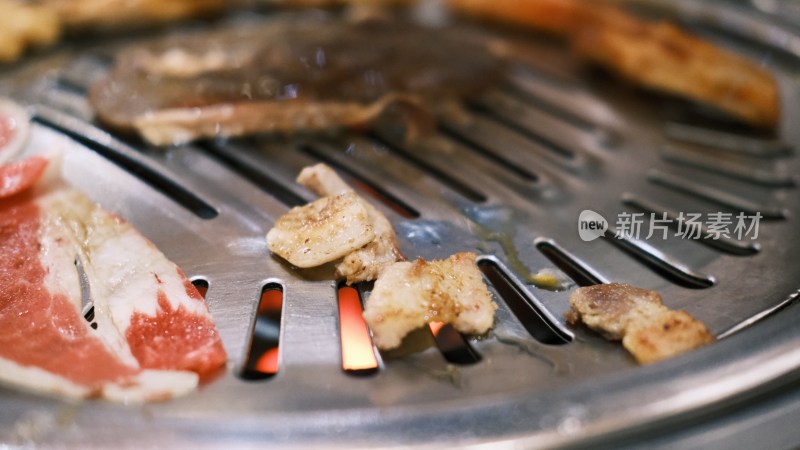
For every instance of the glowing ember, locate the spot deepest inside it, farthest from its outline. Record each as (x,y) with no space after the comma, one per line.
(357,350)
(263,360)
(453,346)
(271,302)
(435,327)
(268,362)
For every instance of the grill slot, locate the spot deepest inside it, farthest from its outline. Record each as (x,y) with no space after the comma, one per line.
(560,112)
(358,354)
(568,103)
(531,135)
(372,190)
(136,166)
(530,312)
(255,173)
(71,87)
(569,264)
(728,245)
(658,262)
(263,359)
(744,170)
(512,148)
(433,170)
(537,124)
(524,174)
(455,349)
(202,285)
(715,195)
(762,148)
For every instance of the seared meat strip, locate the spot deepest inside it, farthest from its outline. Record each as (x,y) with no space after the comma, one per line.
(663,57)
(657,55)
(287,76)
(649,330)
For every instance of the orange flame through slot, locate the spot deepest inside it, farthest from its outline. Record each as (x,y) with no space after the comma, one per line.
(271,302)
(264,358)
(268,362)
(269,308)
(357,351)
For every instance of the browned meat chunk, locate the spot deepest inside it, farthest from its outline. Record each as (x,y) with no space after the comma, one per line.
(649,330)
(410,294)
(367,262)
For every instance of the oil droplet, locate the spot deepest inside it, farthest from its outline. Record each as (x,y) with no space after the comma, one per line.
(496,224)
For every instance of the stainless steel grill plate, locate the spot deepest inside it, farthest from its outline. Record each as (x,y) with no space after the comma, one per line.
(538,150)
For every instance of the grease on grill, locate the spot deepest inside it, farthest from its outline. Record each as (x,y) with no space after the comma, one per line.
(495,224)
(579,272)
(290,76)
(530,313)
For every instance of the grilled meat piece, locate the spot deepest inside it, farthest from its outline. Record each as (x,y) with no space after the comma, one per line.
(656,55)
(367,262)
(149,335)
(663,57)
(649,330)
(181,125)
(287,76)
(23,25)
(113,14)
(322,231)
(407,295)
(322,180)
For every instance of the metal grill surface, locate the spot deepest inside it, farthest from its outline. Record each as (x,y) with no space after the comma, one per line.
(541,147)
